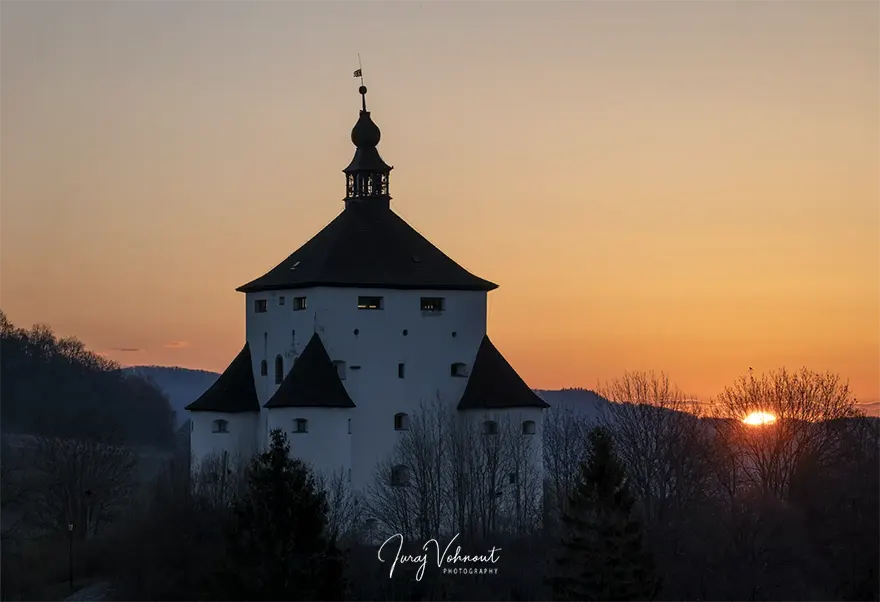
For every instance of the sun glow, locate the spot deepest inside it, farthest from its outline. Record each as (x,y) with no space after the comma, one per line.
(759,418)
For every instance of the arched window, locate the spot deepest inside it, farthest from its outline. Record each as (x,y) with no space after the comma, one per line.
(401,422)
(490,427)
(458,369)
(300,425)
(399,476)
(279,369)
(528,427)
(264,368)
(220,426)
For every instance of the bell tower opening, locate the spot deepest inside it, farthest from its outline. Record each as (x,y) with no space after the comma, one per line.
(367,176)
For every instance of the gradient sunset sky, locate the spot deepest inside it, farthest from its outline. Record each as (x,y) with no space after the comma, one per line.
(683,186)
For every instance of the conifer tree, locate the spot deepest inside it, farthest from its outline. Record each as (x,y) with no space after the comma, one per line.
(278,547)
(602,555)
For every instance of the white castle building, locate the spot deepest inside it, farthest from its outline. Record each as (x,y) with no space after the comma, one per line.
(352,333)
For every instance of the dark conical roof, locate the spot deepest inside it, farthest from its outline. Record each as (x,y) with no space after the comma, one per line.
(368,246)
(494,384)
(312,382)
(233,391)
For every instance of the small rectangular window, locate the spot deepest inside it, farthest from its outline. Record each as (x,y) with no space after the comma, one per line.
(433,304)
(299,303)
(281,300)
(340,369)
(260,306)
(300,425)
(369,302)
(401,368)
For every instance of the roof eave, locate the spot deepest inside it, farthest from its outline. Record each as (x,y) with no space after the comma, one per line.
(218,411)
(328,406)
(252,287)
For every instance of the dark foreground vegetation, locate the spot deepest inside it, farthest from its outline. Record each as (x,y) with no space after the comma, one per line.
(55,386)
(658,498)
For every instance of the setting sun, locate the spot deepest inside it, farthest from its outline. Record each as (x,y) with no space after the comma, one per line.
(759,418)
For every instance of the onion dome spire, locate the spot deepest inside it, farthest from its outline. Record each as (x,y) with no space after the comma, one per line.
(366,177)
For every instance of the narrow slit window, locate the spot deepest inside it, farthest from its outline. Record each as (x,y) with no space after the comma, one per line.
(279,370)
(264,368)
(401,370)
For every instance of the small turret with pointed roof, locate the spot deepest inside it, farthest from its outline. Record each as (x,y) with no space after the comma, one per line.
(366,177)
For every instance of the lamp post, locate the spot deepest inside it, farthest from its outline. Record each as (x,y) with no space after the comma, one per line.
(70,552)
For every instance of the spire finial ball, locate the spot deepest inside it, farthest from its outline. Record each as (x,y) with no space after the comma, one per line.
(362,89)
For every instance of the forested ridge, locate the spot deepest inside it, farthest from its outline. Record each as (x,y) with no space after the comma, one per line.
(55,386)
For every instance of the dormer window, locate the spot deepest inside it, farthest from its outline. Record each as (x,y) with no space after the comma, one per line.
(458,369)
(490,427)
(528,427)
(300,303)
(340,369)
(401,422)
(220,426)
(300,425)
(433,304)
(260,306)
(399,476)
(370,302)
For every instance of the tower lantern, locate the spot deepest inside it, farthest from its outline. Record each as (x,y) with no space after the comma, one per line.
(366,177)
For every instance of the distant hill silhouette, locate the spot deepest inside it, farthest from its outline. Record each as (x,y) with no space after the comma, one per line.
(182,386)
(57,387)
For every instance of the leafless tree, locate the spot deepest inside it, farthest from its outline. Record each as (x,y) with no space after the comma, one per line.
(345,508)
(661,441)
(15,490)
(219,479)
(407,495)
(807,407)
(458,477)
(565,436)
(79,482)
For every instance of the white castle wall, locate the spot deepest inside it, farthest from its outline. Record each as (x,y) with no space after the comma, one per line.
(432,343)
(240,440)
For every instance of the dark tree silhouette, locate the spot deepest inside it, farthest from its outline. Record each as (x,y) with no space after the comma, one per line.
(602,555)
(278,546)
(58,388)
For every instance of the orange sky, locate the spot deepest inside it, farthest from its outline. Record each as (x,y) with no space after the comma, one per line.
(682,186)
